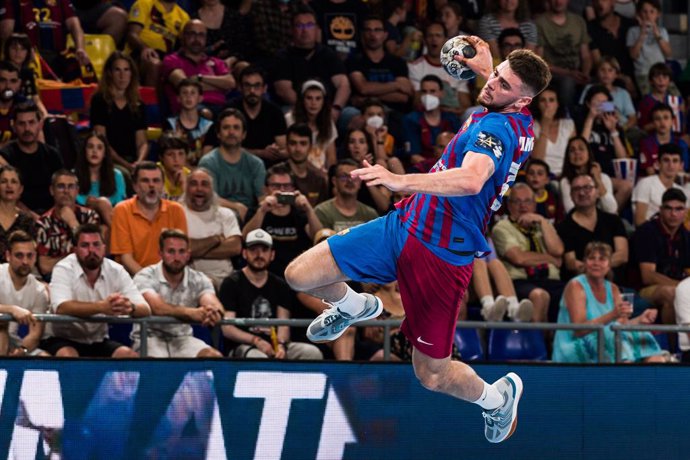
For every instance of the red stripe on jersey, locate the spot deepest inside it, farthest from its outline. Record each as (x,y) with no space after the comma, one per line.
(446,225)
(430,218)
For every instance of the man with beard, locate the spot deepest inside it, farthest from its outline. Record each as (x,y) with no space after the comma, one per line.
(86,284)
(36,161)
(343,210)
(55,229)
(138,221)
(254,292)
(21,295)
(191,61)
(238,175)
(430,241)
(173,289)
(308,179)
(214,233)
(10,87)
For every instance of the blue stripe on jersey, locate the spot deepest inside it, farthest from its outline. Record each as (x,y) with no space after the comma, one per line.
(453,227)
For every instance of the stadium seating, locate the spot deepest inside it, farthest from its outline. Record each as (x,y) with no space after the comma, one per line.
(513,344)
(469,344)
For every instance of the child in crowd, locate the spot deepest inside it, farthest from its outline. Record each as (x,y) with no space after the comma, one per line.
(660,83)
(190,124)
(549,203)
(662,122)
(608,72)
(647,42)
(173,163)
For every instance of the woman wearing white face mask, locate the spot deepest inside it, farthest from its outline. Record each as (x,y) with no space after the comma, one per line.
(422,126)
(373,115)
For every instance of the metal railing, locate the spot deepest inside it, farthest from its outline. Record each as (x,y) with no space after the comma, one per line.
(618,328)
(386,324)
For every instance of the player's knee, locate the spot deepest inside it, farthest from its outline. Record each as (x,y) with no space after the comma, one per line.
(430,378)
(294,277)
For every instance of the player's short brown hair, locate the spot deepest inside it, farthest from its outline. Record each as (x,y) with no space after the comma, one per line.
(531,69)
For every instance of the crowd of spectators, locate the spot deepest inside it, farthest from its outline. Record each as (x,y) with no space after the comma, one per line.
(267,106)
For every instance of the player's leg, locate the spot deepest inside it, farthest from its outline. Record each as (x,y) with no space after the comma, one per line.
(316,273)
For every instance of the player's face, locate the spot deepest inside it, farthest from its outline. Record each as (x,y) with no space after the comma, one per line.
(10,187)
(304,31)
(298,147)
(670,166)
(672,214)
(357,146)
(434,39)
(373,35)
(64,191)
(149,186)
(502,92)
(597,264)
(253,88)
(21,257)
(94,151)
(313,101)
(663,121)
(583,191)
(90,250)
(258,257)
(121,74)
(199,191)
(231,132)
(537,178)
(175,255)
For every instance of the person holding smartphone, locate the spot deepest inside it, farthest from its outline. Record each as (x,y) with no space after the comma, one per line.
(286,215)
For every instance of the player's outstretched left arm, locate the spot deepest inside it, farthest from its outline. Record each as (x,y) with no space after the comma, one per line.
(468,179)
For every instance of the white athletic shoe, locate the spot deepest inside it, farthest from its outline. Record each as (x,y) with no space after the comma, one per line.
(523,312)
(332,322)
(500,423)
(497,311)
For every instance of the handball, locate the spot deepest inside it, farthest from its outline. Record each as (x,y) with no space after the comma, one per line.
(457,46)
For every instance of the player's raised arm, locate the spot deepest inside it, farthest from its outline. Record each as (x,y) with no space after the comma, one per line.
(481,63)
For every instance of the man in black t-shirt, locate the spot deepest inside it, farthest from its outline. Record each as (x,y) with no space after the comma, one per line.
(35,160)
(254,292)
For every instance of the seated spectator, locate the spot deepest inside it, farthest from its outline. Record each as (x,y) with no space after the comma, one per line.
(102,18)
(12,218)
(265,122)
(138,221)
(344,210)
(531,250)
(564,44)
(10,97)
(422,126)
(118,112)
(172,151)
(455,94)
(660,92)
(579,160)
(230,29)
(504,15)
(495,308)
(606,138)
(86,284)
(35,161)
(57,227)
(552,130)
(171,288)
(214,233)
(18,51)
(47,32)
(662,250)
(375,73)
(648,193)
(341,24)
(237,174)
(312,107)
(402,39)
(608,72)
(191,61)
(309,180)
(287,216)
(101,185)
(190,123)
(360,147)
(306,59)
(254,292)
(648,42)
(584,224)
(152,32)
(662,133)
(272,26)
(22,295)
(549,203)
(591,299)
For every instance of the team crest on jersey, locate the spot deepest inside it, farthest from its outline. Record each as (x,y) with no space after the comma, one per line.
(489,141)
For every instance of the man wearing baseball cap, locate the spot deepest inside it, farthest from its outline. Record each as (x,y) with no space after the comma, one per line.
(254,292)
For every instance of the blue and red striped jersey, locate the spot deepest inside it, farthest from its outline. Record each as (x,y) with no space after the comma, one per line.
(453,227)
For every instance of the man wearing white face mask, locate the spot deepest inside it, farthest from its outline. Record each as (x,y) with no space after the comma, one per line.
(422,126)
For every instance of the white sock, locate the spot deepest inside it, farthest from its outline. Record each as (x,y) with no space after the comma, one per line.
(352,302)
(490,398)
(487,301)
(513,305)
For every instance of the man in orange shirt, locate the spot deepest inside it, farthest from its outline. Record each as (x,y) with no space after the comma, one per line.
(138,221)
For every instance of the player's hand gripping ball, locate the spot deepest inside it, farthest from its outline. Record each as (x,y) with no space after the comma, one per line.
(453,47)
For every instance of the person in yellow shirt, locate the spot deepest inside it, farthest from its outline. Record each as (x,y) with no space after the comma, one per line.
(153,31)
(173,162)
